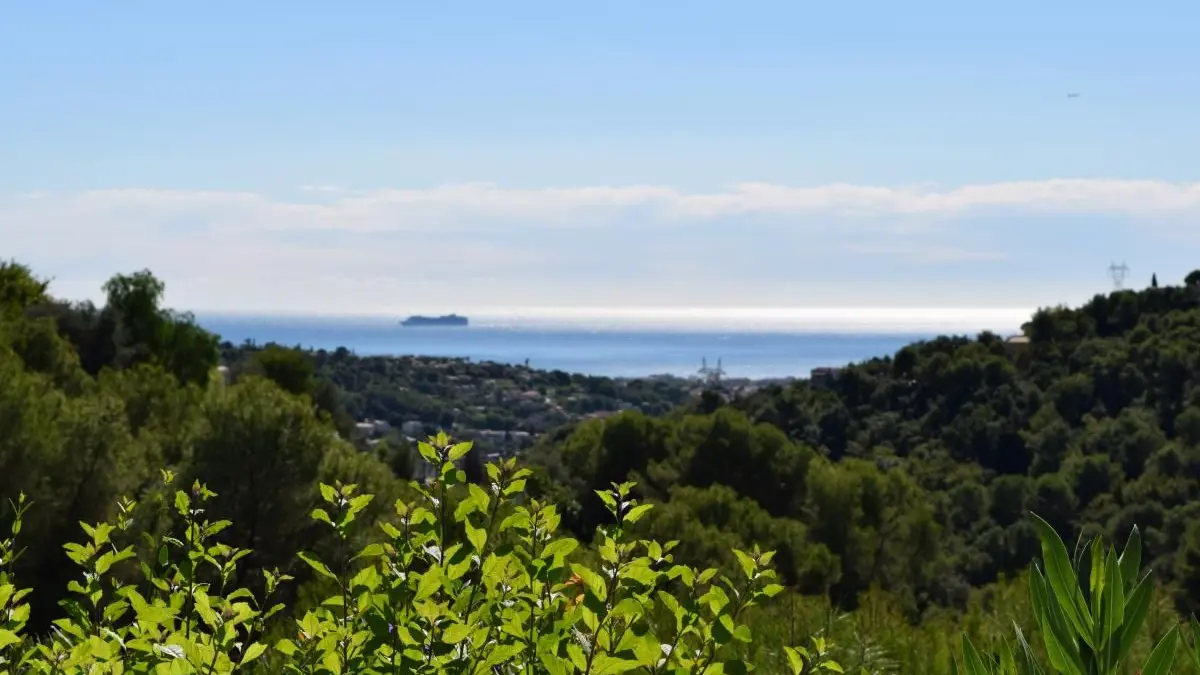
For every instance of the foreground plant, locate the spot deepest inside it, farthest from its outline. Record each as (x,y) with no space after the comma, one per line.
(467,579)
(13,612)
(1089,611)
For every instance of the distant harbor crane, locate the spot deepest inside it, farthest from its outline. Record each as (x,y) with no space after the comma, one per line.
(711,376)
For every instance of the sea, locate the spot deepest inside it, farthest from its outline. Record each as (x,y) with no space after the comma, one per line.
(621,351)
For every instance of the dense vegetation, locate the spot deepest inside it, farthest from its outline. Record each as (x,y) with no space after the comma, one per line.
(96,402)
(461,581)
(915,472)
(896,497)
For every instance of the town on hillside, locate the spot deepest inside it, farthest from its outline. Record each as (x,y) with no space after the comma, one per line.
(502,408)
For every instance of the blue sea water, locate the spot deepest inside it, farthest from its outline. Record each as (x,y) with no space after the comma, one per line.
(614,353)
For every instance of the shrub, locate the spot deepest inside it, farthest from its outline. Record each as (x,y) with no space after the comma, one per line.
(464,580)
(1090,609)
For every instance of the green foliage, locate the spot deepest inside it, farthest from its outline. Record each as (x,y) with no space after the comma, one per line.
(19,288)
(484,586)
(914,471)
(1090,609)
(895,496)
(291,369)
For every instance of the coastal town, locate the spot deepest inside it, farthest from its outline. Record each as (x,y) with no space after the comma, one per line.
(503,408)
(506,408)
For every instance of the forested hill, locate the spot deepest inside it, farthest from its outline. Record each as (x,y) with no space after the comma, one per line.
(917,471)
(101,404)
(914,473)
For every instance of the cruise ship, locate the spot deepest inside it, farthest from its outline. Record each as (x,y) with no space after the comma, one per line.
(447,320)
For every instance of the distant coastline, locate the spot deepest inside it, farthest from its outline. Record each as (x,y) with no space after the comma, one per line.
(609,353)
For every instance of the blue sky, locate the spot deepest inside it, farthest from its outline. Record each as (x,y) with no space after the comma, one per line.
(336,157)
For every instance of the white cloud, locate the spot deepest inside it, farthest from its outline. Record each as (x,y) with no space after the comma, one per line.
(926,254)
(481,244)
(448,206)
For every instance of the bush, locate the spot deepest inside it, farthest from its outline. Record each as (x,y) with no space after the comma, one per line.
(464,580)
(1090,609)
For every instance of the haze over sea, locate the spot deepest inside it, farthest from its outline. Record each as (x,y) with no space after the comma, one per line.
(751,343)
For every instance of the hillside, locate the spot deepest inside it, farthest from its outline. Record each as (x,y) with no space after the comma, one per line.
(896,493)
(500,405)
(100,404)
(916,472)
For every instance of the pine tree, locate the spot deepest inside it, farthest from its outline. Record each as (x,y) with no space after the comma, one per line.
(1153,281)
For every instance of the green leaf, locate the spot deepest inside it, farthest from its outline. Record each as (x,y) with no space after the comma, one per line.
(367,578)
(1097,581)
(972,662)
(477,536)
(493,472)
(722,629)
(1061,576)
(153,615)
(1028,660)
(360,502)
(1055,633)
(19,615)
(317,565)
(329,494)
(253,652)
(1131,558)
(429,584)
(794,660)
(560,548)
(1194,652)
(321,516)
(637,513)
(1112,615)
(640,572)
(459,450)
(746,562)
(8,638)
(427,452)
(593,581)
(1136,607)
(605,664)
(456,633)
(575,653)
(1163,656)
(771,590)
(672,604)
(501,654)
(609,500)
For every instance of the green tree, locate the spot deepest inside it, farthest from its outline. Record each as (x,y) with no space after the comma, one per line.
(291,369)
(20,290)
(262,450)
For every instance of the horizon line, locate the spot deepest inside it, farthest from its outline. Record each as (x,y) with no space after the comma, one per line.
(630,312)
(891,320)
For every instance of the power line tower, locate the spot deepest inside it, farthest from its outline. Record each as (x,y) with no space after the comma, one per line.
(1118,274)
